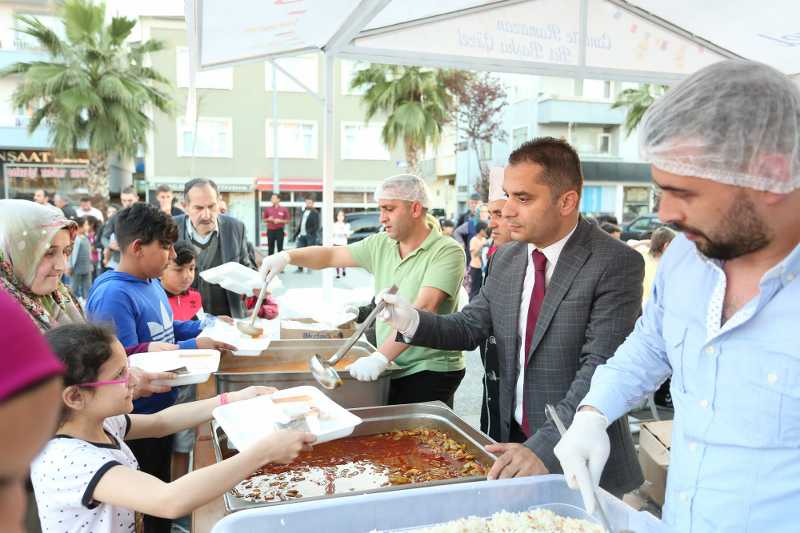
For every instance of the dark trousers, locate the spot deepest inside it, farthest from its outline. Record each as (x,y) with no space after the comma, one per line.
(275,240)
(426,386)
(490,407)
(302,241)
(154,456)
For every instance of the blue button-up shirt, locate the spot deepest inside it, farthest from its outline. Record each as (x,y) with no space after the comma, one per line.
(735,460)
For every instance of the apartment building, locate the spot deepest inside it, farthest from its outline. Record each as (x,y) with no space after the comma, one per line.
(616,182)
(27,162)
(231,139)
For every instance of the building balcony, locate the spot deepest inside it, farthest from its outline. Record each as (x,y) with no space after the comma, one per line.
(17,137)
(564,111)
(10,56)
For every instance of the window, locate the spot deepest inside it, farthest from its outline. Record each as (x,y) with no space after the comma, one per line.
(221,78)
(485,151)
(349,69)
(604,143)
(518,136)
(214,137)
(363,141)
(296,139)
(597,89)
(304,68)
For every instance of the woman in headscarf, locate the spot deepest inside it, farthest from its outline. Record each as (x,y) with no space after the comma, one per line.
(35,244)
(35,241)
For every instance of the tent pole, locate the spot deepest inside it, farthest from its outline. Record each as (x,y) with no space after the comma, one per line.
(327,164)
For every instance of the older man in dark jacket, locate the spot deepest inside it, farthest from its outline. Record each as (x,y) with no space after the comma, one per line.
(218,239)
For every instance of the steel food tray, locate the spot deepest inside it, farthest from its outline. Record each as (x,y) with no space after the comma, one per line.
(382,419)
(236,373)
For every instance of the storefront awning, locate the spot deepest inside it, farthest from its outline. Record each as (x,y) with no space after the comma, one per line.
(290,184)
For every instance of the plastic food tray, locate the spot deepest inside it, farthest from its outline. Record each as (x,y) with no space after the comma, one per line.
(388,511)
(247,345)
(199,363)
(237,278)
(248,421)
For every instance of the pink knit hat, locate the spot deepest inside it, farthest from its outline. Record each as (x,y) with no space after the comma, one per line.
(25,357)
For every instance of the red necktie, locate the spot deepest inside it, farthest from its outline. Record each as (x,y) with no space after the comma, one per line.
(537,297)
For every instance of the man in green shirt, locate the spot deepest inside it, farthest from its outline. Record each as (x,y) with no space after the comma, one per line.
(427,267)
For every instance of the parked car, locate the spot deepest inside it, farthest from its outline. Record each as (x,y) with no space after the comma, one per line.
(641,227)
(363,224)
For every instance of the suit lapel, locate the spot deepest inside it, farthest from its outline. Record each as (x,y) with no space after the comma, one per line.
(516,277)
(572,258)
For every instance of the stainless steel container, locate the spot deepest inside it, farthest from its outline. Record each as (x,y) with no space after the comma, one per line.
(432,415)
(236,372)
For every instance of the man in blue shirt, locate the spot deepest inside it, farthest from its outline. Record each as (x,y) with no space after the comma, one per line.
(723,315)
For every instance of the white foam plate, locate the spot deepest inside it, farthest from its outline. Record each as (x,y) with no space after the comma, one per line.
(248,421)
(238,278)
(200,364)
(247,345)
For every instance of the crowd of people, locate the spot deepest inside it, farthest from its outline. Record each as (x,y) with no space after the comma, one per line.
(564,314)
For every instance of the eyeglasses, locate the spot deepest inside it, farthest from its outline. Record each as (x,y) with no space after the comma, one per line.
(124,378)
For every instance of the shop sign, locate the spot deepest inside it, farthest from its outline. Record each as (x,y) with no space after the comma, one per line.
(39,157)
(44,171)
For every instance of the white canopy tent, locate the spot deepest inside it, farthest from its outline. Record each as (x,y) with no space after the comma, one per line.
(637,40)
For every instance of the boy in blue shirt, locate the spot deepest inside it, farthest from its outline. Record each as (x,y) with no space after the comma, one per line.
(133,299)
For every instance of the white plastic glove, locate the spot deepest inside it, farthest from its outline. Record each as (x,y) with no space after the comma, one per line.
(369,368)
(398,313)
(583,452)
(273,265)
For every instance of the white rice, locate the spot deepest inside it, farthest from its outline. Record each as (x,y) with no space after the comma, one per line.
(537,521)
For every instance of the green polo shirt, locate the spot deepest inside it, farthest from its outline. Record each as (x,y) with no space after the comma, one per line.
(438,263)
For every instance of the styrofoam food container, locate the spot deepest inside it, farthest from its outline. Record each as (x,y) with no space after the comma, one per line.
(200,364)
(247,345)
(248,421)
(237,278)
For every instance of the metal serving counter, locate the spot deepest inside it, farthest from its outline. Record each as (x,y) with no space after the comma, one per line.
(285,364)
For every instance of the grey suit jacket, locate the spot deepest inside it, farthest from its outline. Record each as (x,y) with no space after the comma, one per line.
(591,304)
(233,242)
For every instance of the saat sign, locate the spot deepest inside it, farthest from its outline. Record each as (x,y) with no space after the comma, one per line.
(38,156)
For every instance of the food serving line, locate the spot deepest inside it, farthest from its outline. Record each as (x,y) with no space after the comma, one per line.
(403,504)
(374,466)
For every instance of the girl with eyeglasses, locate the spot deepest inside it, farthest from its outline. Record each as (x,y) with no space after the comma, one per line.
(87,479)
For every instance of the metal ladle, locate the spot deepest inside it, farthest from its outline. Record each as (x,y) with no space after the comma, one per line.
(249,327)
(552,415)
(324,371)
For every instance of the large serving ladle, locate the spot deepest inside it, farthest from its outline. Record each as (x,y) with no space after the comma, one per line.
(324,371)
(249,327)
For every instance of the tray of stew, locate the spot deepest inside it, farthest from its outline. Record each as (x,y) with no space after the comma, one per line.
(395,447)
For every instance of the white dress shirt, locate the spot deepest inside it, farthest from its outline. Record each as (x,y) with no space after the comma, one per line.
(552,253)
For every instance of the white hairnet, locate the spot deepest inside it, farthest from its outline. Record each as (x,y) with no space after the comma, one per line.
(736,122)
(406,187)
(496,175)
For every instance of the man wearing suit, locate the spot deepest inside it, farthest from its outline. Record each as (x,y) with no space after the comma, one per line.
(558,303)
(490,407)
(308,228)
(218,239)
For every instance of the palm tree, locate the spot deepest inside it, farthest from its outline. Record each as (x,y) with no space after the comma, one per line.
(638,101)
(416,103)
(95,88)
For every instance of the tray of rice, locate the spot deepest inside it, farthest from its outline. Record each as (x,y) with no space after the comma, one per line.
(501,502)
